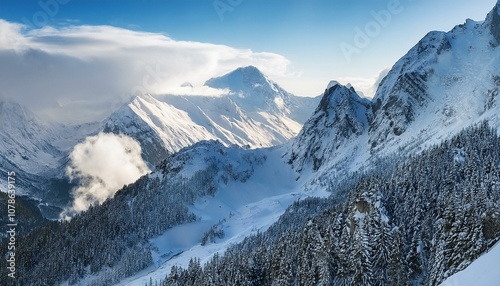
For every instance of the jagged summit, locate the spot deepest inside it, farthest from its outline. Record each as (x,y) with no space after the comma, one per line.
(341,115)
(336,95)
(332,83)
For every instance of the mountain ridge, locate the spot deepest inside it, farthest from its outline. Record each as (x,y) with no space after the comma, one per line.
(446,82)
(441,66)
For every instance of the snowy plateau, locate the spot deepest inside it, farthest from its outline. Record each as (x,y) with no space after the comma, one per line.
(306,192)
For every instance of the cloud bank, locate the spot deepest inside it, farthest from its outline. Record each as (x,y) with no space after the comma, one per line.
(103,164)
(82,73)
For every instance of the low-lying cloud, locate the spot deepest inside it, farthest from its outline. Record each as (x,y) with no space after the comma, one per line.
(83,73)
(102,164)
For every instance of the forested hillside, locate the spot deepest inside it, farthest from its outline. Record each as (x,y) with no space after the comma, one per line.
(110,241)
(414,223)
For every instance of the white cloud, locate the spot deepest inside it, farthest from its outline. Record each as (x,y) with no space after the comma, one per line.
(379,79)
(103,164)
(10,37)
(82,73)
(368,86)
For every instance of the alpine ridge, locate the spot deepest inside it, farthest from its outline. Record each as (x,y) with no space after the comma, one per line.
(446,82)
(447,79)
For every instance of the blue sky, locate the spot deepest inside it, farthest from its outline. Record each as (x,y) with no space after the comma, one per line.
(306,39)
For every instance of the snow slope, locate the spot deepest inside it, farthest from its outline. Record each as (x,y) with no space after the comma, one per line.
(483,271)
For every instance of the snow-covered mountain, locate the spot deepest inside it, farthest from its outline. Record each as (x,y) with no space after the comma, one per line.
(206,197)
(448,79)
(27,150)
(446,82)
(36,150)
(255,113)
(255,92)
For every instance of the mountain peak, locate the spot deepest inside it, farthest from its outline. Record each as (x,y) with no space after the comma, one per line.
(13,112)
(340,115)
(249,70)
(243,79)
(332,83)
(251,89)
(336,94)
